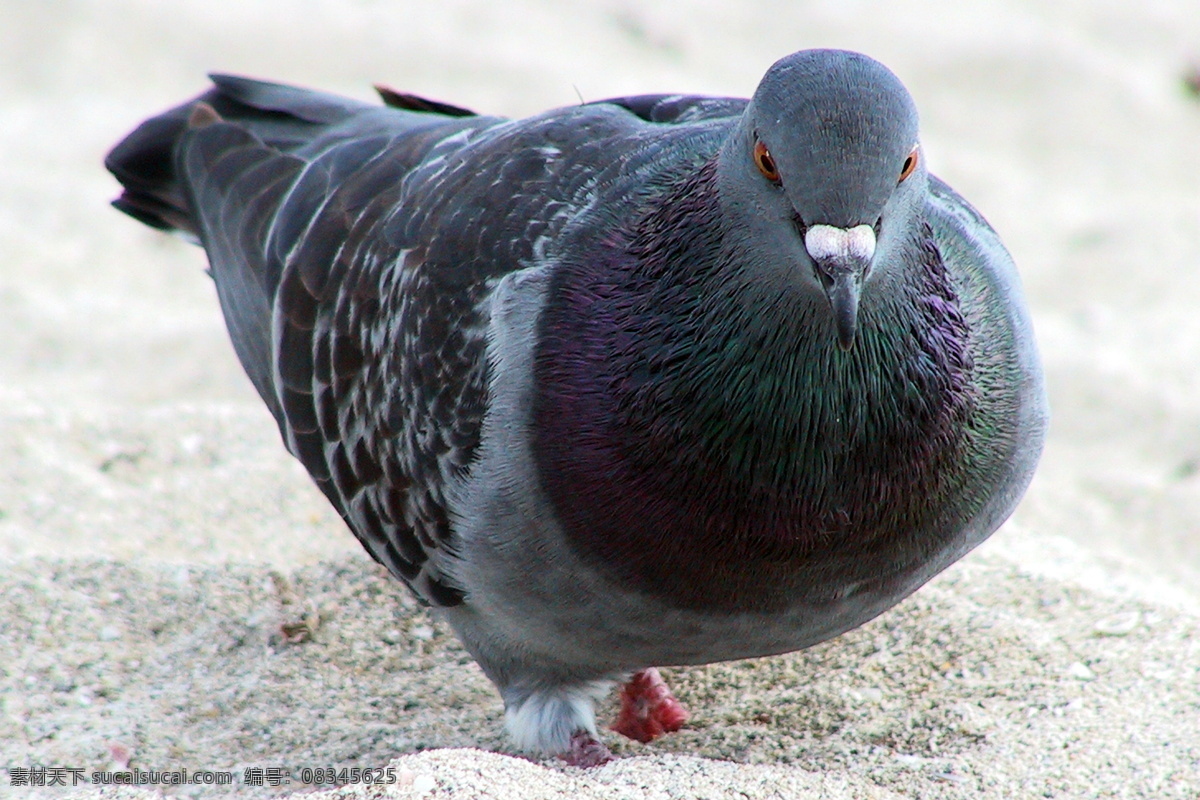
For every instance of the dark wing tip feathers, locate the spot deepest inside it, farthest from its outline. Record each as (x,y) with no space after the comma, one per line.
(411,102)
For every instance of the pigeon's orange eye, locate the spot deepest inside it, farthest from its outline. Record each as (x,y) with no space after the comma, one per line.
(764,162)
(910,164)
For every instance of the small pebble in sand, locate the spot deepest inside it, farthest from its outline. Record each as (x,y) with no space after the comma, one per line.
(1118,624)
(1081,671)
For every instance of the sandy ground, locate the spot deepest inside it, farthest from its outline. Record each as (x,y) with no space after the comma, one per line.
(154,536)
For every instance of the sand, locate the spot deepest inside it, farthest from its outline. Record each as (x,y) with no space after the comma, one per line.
(174,594)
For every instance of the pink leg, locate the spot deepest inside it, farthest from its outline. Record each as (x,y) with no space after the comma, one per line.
(648,709)
(586,751)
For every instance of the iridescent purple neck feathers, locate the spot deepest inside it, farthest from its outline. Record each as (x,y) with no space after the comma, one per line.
(715,457)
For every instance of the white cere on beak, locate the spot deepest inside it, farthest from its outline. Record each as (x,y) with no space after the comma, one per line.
(840,245)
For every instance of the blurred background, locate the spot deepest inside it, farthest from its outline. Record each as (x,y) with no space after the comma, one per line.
(128,430)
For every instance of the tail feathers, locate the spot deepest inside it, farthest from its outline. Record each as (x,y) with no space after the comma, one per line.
(144,163)
(283,117)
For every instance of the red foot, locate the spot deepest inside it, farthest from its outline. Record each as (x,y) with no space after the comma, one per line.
(648,709)
(587,752)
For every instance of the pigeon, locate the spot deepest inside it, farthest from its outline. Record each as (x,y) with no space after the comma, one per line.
(652,381)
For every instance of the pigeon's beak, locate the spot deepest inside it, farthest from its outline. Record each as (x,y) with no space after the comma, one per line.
(843,259)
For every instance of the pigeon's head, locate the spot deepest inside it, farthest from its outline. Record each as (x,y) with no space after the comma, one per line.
(828,148)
